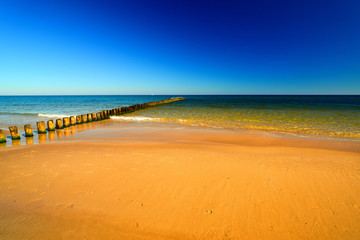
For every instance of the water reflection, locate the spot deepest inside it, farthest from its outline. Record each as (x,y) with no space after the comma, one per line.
(67,133)
(52,135)
(73,130)
(42,138)
(60,133)
(80,128)
(29,140)
(16,142)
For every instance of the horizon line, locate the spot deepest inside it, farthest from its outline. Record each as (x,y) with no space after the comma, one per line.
(15,95)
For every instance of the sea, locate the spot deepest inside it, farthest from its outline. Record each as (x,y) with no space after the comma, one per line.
(316,116)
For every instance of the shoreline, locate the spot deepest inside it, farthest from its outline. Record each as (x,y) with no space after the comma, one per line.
(96,130)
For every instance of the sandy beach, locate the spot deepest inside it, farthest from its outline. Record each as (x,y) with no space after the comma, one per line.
(136,182)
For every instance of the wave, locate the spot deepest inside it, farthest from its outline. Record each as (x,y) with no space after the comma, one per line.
(51,115)
(136,118)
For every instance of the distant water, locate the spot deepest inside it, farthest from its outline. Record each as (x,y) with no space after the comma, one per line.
(328,116)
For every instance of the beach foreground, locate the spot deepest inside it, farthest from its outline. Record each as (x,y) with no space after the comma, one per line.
(180,184)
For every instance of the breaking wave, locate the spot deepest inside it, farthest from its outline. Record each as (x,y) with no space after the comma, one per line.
(52,115)
(136,118)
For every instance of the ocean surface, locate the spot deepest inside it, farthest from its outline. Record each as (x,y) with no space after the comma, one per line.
(325,116)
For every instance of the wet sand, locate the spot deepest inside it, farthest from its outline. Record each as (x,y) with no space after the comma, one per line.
(162,183)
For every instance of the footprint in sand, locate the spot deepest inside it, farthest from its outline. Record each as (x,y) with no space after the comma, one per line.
(208,211)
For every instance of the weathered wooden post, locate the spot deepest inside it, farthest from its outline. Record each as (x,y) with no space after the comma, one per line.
(72,121)
(28,131)
(41,127)
(102,115)
(93,116)
(66,121)
(78,119)
(2,136)
(98,116)
(59,124)
(89,117)
(14,132)
(84,118)
(50,125)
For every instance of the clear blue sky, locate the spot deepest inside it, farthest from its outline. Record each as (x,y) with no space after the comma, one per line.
(179,47)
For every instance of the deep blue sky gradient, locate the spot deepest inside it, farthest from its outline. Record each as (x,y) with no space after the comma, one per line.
(180,47)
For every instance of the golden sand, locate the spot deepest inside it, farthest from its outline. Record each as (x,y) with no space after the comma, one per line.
(180,184)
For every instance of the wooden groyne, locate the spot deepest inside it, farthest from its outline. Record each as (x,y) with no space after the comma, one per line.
(80,119)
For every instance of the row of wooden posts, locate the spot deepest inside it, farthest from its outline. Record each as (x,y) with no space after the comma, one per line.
(80,119)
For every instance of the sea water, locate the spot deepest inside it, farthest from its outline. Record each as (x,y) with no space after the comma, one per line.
(326,116)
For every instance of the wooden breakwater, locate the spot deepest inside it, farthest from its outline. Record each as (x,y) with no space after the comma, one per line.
(80,119)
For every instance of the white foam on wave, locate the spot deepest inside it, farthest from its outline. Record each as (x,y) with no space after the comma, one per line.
(139,118)
(52,115)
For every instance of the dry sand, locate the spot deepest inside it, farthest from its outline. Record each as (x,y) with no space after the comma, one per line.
(180,184)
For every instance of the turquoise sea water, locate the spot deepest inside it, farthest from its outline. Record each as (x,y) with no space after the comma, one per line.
(329,116)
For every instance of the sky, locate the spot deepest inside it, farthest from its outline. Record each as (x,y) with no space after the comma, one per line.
(179,47)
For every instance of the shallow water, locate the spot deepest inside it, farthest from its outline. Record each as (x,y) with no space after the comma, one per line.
(328,116)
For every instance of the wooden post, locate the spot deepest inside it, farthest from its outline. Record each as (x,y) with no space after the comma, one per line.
(93,116)
(66,121)
(50,125)
(98,116)
(102,115)
(78,119)
(84,118)
(2,136)
(41,127)
(28,131)
(59,124)
(15,135)
(89,117)
(72,121)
